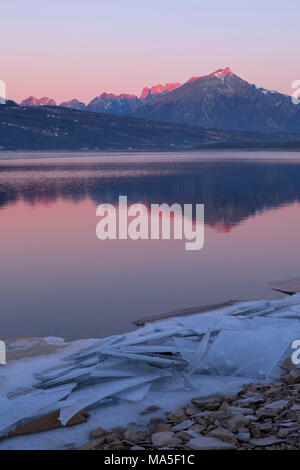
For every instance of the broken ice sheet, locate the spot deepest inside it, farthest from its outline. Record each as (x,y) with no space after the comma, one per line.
(76,375)
(88,396)
(249,353)
(192,351)
(55,372)
(94,348)
(273,322)
(155,335)
(150,359)
(28,406)
(199,323)
(186,348)
(169,383)
(137,393)
(196,361)
(121,367)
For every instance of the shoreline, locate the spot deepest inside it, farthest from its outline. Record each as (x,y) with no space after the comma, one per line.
(125,152)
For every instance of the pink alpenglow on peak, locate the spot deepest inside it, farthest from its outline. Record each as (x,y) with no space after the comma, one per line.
(73,101)
(122,96)
(226,71)
(45,101)
(75,104)
(158,89)
(32,101)
(218,73)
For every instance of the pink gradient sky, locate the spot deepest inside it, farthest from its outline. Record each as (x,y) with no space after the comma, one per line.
(69,48)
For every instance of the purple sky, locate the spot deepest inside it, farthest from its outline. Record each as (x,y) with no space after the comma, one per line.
(70,48)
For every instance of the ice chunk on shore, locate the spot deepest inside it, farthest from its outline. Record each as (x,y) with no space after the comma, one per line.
(250,353)
(85,398)
(135,393)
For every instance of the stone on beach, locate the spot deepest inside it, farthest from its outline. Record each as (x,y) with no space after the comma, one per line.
(161,439)
(177,416)
(150,409)
(278,405)
(99,432)
(265,441)
(183,425)
(293,377)
(238,421)
(160,427)
(223,434)
(209,443)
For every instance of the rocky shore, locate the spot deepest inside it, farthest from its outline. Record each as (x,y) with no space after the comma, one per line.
(259,417)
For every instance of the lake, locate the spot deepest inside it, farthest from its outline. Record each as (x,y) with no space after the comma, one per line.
(58,279)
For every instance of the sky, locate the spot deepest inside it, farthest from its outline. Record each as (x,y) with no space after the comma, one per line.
(73,48)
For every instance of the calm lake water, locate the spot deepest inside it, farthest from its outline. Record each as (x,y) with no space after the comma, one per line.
(58,279)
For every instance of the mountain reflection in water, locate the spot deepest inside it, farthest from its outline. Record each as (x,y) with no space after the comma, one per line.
(231,190)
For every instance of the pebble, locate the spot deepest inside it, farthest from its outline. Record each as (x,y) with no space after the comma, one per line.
(160,439)
(183,426)
(209,443)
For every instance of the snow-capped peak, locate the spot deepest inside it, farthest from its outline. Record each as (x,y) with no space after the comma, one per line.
(220,73)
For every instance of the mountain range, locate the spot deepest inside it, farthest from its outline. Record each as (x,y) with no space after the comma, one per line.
(106,102)
(220,100)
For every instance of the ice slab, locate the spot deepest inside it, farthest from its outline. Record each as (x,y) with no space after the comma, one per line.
(137,393)
(90,396)
(251,353)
